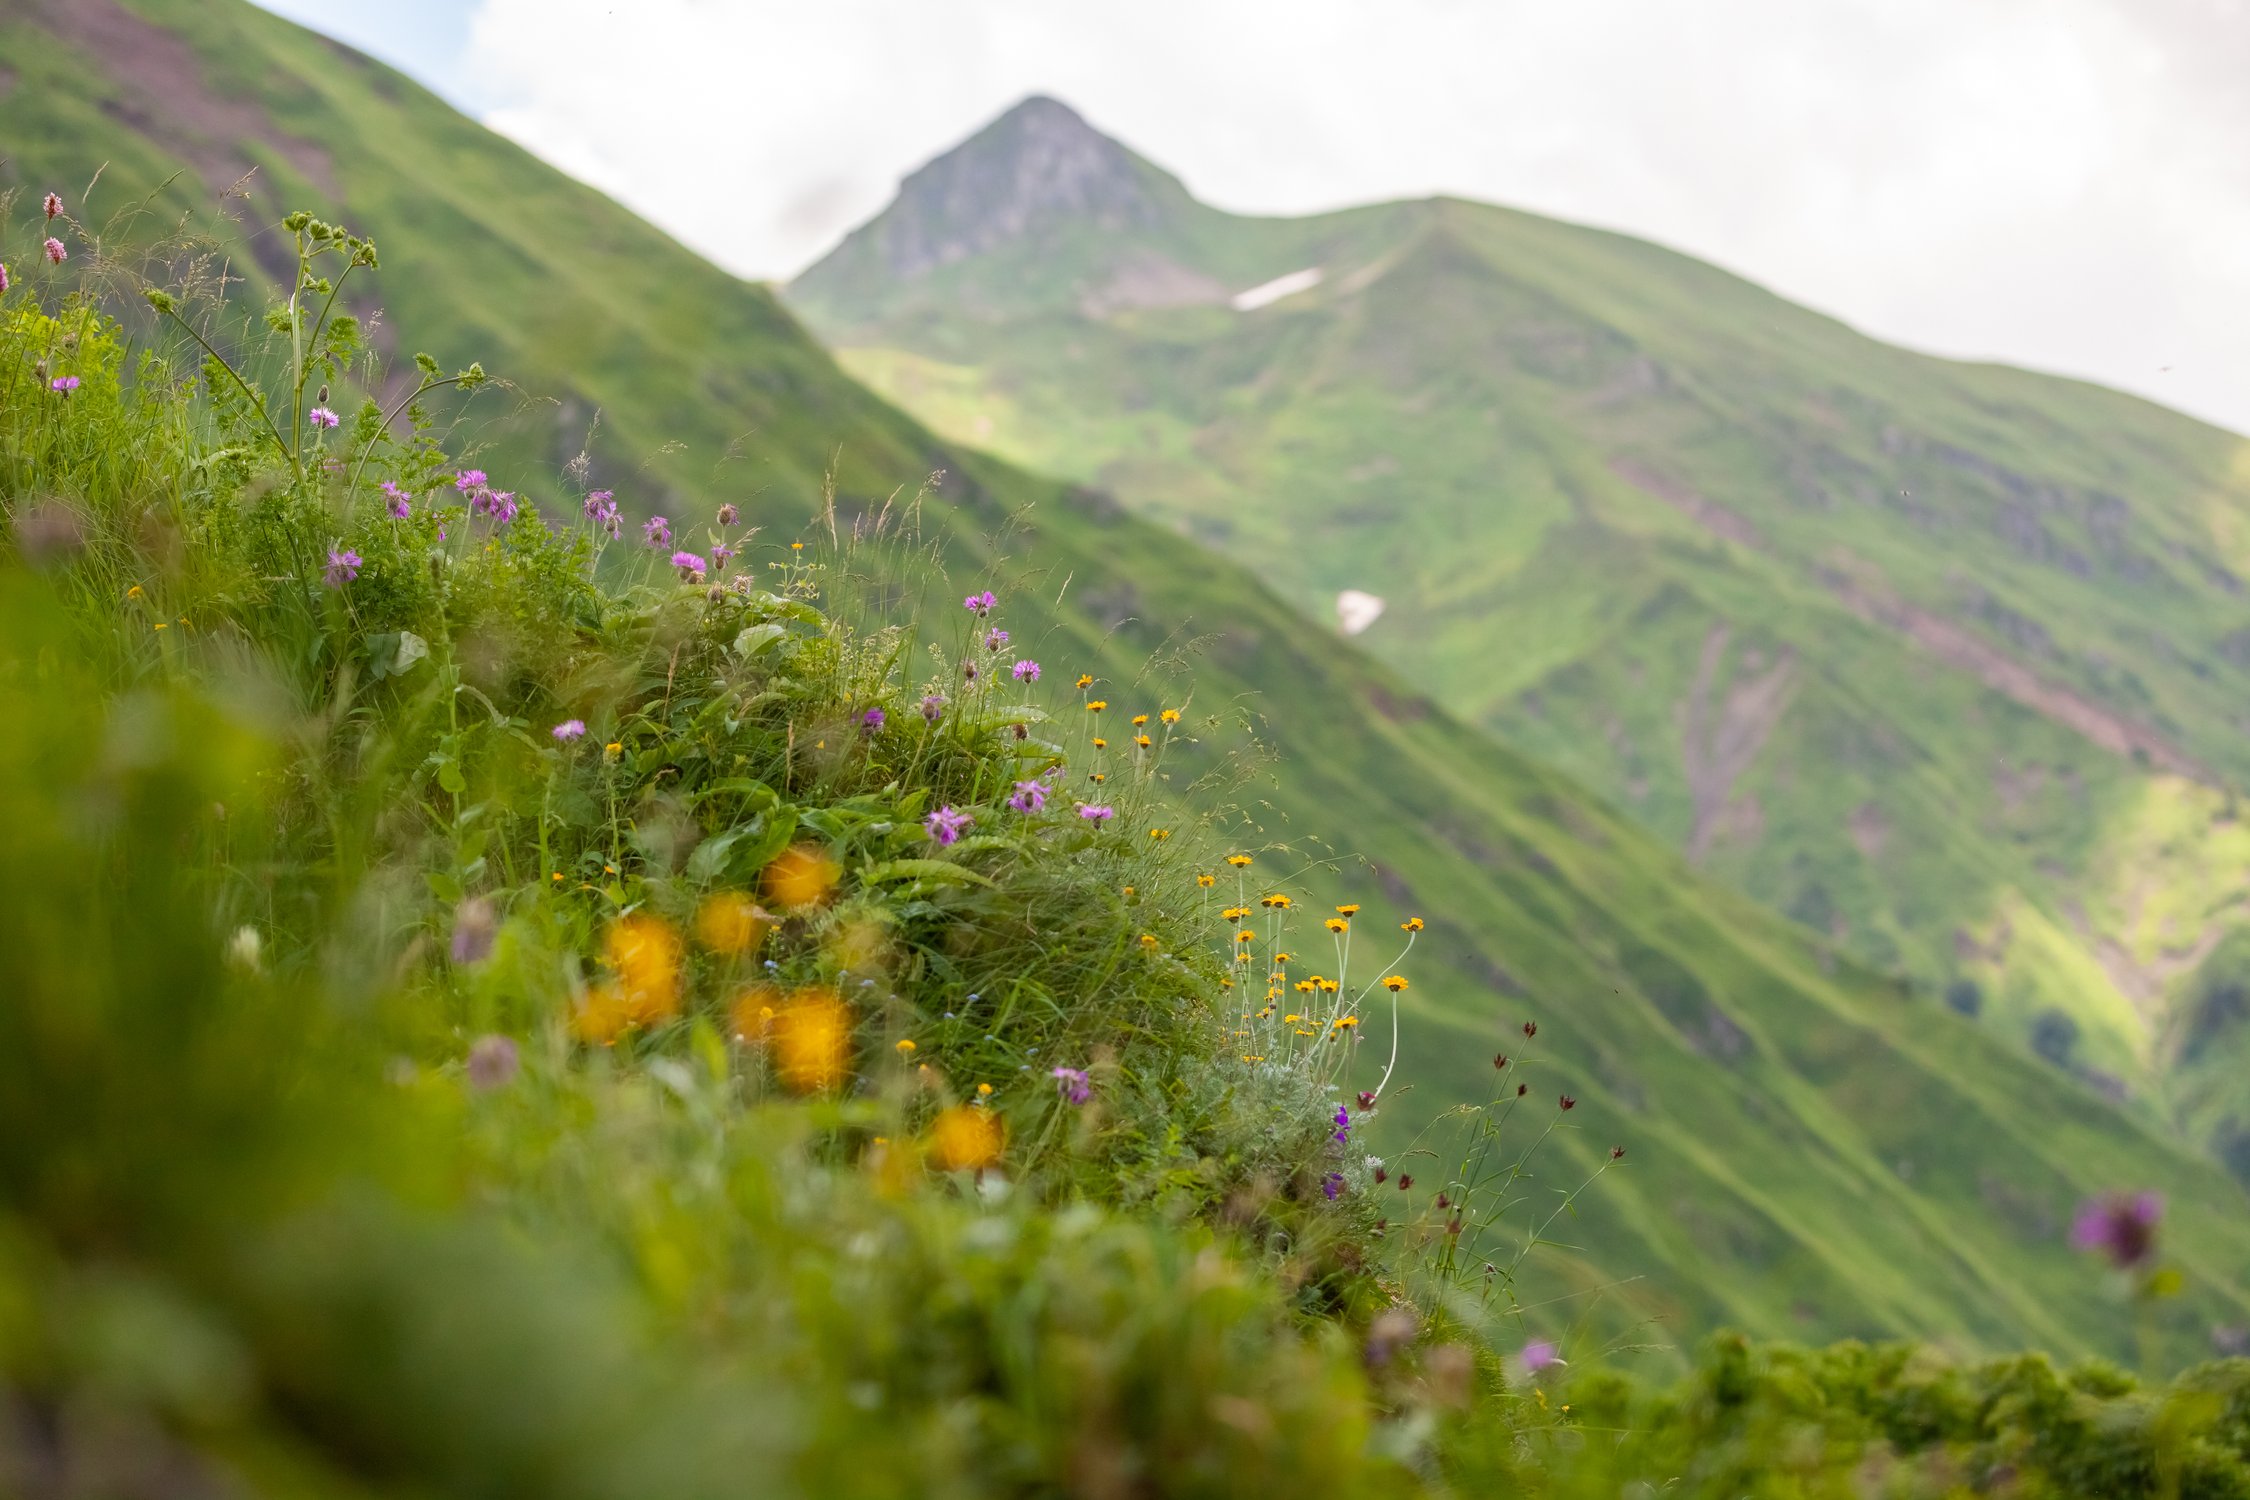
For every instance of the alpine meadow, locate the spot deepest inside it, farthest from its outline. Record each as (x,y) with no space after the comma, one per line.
(596,908)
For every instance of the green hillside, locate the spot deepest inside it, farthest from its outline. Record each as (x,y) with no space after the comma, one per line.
(1943,661)
(1814,1151)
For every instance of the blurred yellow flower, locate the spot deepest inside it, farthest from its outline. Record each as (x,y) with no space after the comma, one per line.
(645,953)
(598,1016)
(1096,705)
(1085,680)
(1395,983)
(1139,720)
(1100,743)
(800,877)
(905,1046)
(1277,901)
(1206,881)
(1337,924)
(1170,716)
(1239,861)
(752,1013)
(1411,924)
(812,1041)
(1160,834)
(729,922)
(963,1139)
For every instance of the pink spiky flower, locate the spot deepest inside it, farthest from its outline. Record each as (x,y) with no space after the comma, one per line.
(53,204)
(57,251)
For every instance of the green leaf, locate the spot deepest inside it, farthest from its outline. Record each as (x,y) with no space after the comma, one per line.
(449,776)
(921,869)
(756,639)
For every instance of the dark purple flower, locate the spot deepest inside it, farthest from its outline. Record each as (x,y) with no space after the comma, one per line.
(872,720)
(1072,1084)
(343,567)
(1029,797)
(932,706)
(1343,1124)
(2121,1226)
(657,531)
(1026,671)
(947,824)
(1332,1185)
(980,604)
(492,1062)
(474,927)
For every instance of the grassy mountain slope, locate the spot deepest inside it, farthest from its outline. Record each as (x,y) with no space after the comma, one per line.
(1816,1152)
(1944,661)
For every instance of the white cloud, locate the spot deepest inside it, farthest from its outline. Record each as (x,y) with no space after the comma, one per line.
(2059,183)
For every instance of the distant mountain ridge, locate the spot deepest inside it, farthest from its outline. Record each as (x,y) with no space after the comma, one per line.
(1942,660)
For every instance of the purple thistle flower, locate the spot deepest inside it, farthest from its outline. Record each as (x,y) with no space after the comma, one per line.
(569,730)
(657,531)
(1030,797)
(728,515)
(980,604)
(492,1062)
(995,639)
(598,505)
(469,479)
(321,416)
(64,383)
(1026,671)
(1095,813)
(872,720)
(2121,1226)
(343,567)
(932,706)
(690,565)
(1332,1185)
(56,251)
(947,824)
(1072,1084)
(1538,1355)
(401,503)
(474,926)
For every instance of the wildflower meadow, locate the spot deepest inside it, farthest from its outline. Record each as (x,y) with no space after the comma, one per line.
(519,987)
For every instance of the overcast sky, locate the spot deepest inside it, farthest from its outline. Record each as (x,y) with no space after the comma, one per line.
(2063,184)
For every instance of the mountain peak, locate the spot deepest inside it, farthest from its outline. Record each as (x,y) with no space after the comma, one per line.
(1036,168)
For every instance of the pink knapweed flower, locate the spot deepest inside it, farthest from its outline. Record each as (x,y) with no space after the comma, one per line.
(1029,796)
(2122,1226)
(1538,1355)
(728,515)
(1095,813)
(1072,1084)
(1026,671)
(933,704)
(401,503)
(980,604)
(64,383)
(569,730)
(947,824)
(469,479)
(690,565)
(343,566)
(995,639)
(657,531)
(872,720)
(321,416)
